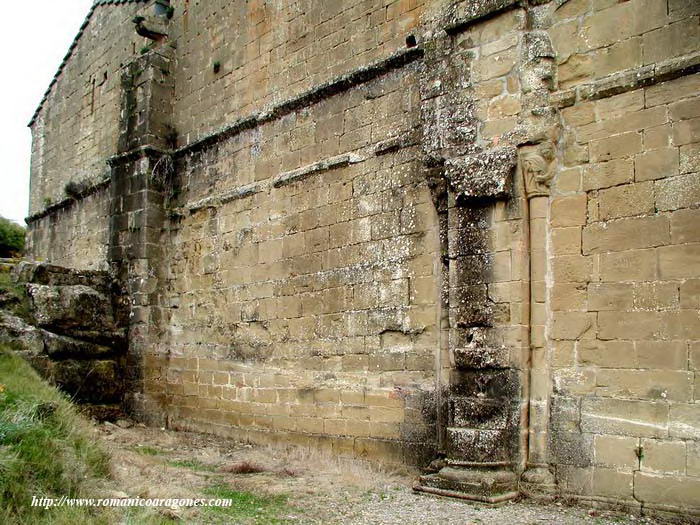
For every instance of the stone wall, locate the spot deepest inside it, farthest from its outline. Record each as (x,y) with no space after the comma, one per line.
(70,325)
(75,233)
(624,296)
(303,294)
(273,51)
(76,128)
(404,231)
(624,259)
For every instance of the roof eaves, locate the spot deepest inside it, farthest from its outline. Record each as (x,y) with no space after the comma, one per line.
(72,47)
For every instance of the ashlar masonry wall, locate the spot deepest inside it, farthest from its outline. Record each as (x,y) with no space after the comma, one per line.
(624,256)
(303,294)
(406,231)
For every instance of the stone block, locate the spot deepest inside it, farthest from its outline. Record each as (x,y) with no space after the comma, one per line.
(566,241)
(672,91)
(572,448)
(625,234)
(616,146)
(680,261)
(655,296)
(662,456)
(616,451)
(624,417)
(631,265)
(613,483)
(609,296)
(572,268)
(78,311)
(690,158)
(686,132)
(693,458)
(484,175)
(678,192)
(670,41)
(662,355)
(678,491)
(568,297)
(607,354)
(627,200)
(690,293)
(685,421)
(573,325)
(630,325)
(565,413)
(569,211)
(658,385)
(478,445)
(607,174)
(620,105)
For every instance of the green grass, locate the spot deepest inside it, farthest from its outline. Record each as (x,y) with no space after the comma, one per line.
(148,451)
(246,507)
(46,449)
(193,464)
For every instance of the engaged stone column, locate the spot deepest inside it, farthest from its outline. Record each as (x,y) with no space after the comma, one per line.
(537,168)
(139,175)
(483,401)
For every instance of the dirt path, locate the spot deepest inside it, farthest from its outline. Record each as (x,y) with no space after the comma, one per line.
(296,486)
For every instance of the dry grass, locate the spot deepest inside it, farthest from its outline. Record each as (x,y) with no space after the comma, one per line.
(352,472)
(243,467)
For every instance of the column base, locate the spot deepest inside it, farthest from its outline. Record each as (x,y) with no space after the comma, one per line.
(539,483)
(484,485)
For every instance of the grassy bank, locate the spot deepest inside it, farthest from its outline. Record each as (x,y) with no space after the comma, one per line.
(46,449)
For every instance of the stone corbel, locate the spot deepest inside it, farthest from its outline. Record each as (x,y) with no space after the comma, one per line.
(152,27)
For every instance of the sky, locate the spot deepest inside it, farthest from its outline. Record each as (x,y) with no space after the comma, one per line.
(33,45)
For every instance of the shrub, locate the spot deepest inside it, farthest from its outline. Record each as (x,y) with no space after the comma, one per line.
(11,238)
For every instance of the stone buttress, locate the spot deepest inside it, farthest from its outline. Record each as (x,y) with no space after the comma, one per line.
(138,185)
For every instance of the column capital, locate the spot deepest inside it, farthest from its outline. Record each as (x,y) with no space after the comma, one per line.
(537,165)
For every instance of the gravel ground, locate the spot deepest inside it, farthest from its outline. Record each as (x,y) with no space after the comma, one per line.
(320,490)
(405,507)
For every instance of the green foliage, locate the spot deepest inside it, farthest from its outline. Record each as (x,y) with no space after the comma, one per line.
(11,238)
(193,464)
(148,451)
(75,190)
(246,507)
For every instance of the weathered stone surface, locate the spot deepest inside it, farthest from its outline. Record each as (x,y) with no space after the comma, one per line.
(338,241)
(478,445)
(76,310)
(485,175)
(52,275)
(96,381)
(20,335)
(36,341)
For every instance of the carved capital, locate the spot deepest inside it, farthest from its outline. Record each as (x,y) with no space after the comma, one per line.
(537,166)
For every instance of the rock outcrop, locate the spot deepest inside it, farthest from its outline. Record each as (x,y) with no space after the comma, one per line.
(73,331)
